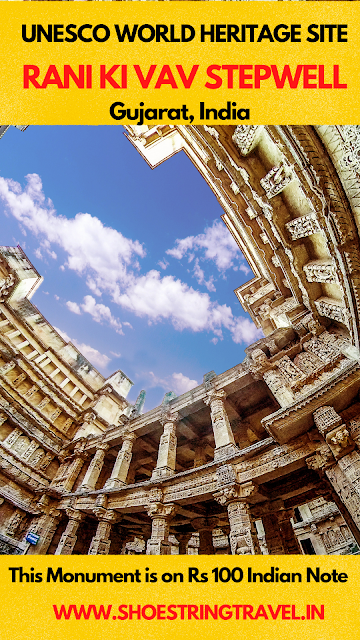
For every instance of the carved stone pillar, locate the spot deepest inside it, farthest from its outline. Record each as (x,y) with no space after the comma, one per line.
(350,466)
(279,388)
(336,434)
(16,523)
(344,494)
(223,435)
(94,469)
(100,544)
(346,499)
(45,527)
(69,537)
(344,476)
(166,460)
(160,515)
(70,474)
(279,533)
(339,439)
(205,527)
(243,538)
(183,540)
(278,381)
(120,470)
(317,539)
(69,469)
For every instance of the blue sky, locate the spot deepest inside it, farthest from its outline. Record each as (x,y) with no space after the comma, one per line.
(139,269)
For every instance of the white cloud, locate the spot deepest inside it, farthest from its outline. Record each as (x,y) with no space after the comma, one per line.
(182,247)
(200,277)
(182,383)
(45,246)
(163,264)
(90,246)
(243,330)
(93,286)
(109,262)
(73,307)
(93,355)
(177,382)
(169,298)
(217,245)
(99,312)
(244,268)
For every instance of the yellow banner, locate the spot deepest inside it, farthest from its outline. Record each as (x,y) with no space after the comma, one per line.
(180,62)
(143,597)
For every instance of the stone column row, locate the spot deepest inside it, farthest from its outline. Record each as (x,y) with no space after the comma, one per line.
(280,537)
(223,436)
(166,459)
(70,469)
(337,459)
(100,543)
(158,544)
